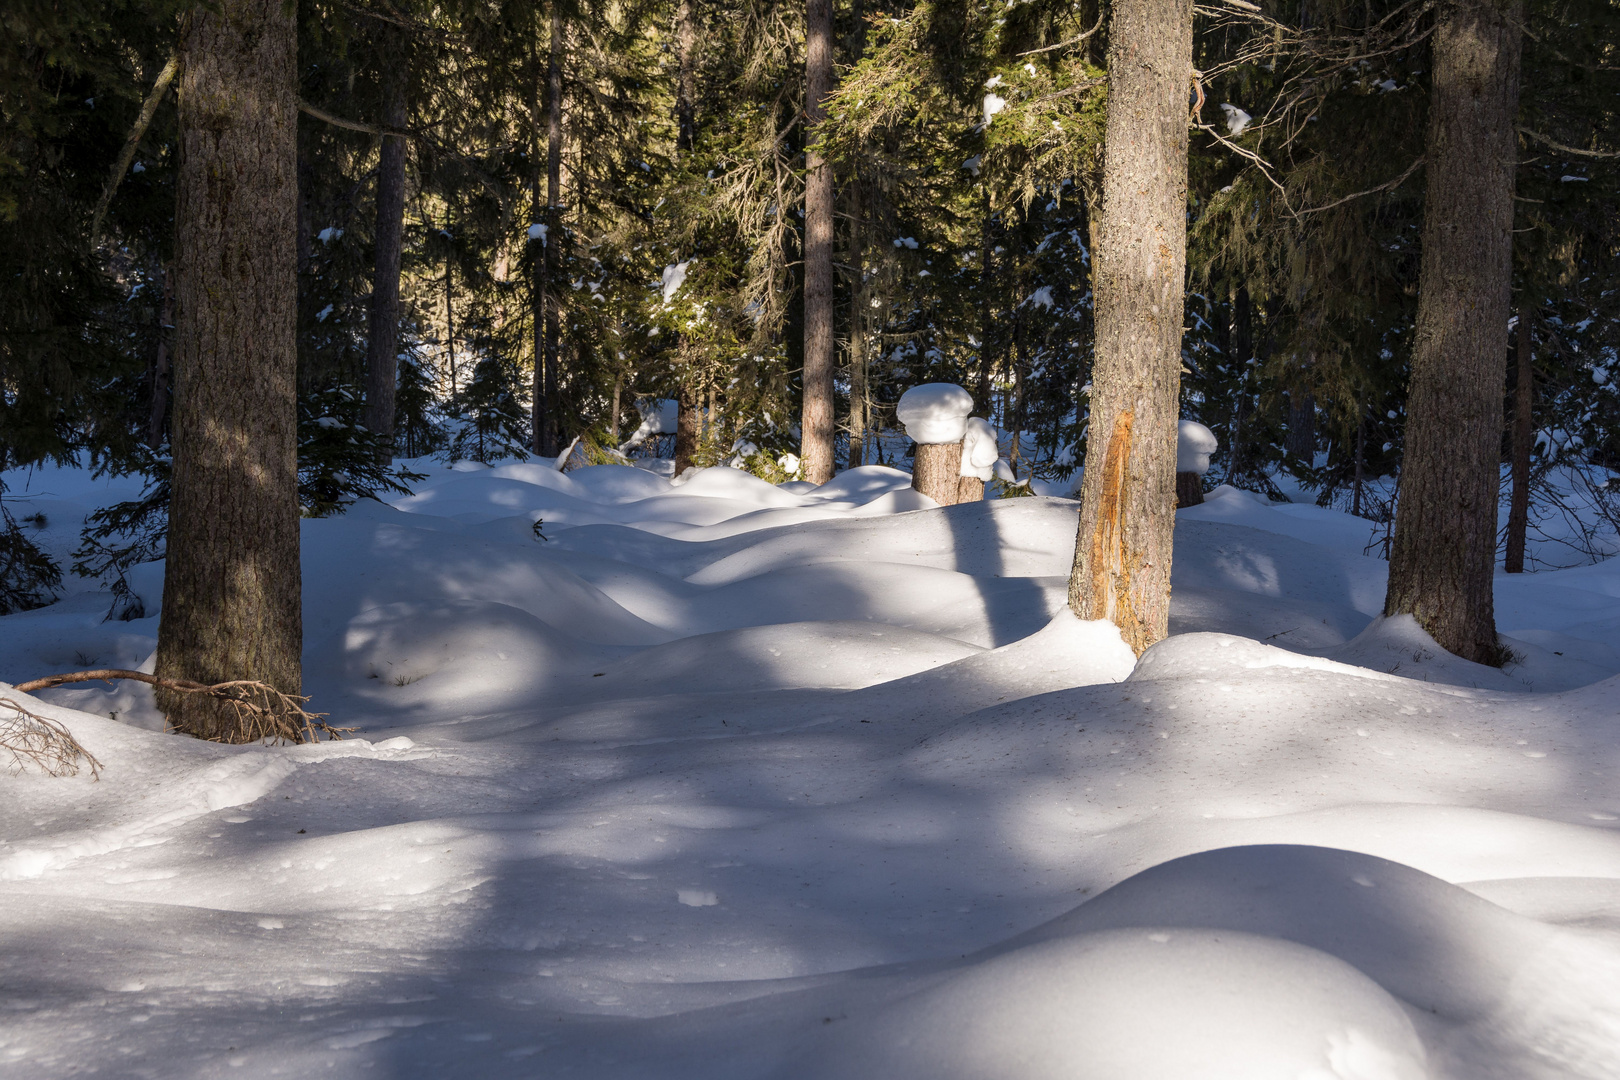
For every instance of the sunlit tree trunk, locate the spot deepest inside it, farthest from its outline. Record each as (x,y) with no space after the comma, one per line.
(1443,555)
(820,355)
(1127,517)
(231,588)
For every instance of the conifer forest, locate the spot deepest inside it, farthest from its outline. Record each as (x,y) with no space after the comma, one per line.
(831,538)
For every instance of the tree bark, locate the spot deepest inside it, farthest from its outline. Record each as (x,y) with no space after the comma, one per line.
(547,327)
(860,318)
(1443,555)
(1127,517)
(936,470)
(231,591)
(382,346)
(686,79)
(688,428)
(1189,489)
(1524,390)
(969,489)
(1300,442)
(820,348)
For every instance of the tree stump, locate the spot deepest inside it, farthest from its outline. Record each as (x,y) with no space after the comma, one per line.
(1189,489)
(969,489)
(934,472)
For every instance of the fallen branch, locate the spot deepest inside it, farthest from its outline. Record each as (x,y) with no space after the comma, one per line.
(132,143)
(28,736)
(262,711)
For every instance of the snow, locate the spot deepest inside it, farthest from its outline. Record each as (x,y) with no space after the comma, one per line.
(658,417)
(980,451)
(934,413)
(1194,444)
(672,278)
(727,780)
(1236,120)
(993,104)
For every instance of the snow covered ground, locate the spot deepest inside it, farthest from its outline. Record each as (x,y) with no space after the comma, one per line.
(725,780)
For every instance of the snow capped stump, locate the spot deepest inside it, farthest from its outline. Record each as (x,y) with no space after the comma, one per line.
(1194,444)
(979,456)
(935,418)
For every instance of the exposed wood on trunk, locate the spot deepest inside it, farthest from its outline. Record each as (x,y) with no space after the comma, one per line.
(231,605)
(820,346)
(1524,391)
(1127,517)
(1443,555)
(936,470)
(382,346)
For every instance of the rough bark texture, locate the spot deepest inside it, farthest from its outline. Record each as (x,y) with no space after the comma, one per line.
(231,591)
(1524,390)
(936,470)
(1444,550)
(1189,489)
(820,348)
(382,347)
(1127,518)
(686,77)
(969,489)
(1300,440)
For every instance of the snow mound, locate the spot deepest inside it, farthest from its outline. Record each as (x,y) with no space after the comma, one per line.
(1139,1004)
(934,412)
(1194,444)
(1399,646)
(979,450)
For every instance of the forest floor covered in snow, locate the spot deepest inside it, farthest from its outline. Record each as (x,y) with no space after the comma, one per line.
(723,780)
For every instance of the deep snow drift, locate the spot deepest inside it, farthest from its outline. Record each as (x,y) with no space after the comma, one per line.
(727,780)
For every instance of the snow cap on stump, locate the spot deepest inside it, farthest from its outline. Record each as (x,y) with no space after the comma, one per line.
(979,450)
(935,413)
(1194,444)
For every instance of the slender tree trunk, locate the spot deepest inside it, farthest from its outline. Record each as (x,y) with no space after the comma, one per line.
(1301,438)
(1243,350)
(382,347)
(688,427)
(859,320)
(820,346)
(1361,457)
(1127,516)
(686,77)
(449,306)
(1443,556)
(1524,390)
(231,590)
(160,364)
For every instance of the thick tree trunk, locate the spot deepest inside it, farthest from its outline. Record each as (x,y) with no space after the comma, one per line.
(1524,390)
(231,590)
(382,347)
(1443,555)
(936,469)
(159,408)
(820,348)
(1127,516)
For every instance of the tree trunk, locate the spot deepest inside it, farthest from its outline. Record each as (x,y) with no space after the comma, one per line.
(1127,511)
(820,347)
(1237,458)
(1443,555)
(1189,489)
(936,470)
(1300,442)
(160,365)
(688,428)
(231,590)
(860,317)
(1524,390)
(969,489)
(382,347)
(546,327)
(449,305)
(685,79)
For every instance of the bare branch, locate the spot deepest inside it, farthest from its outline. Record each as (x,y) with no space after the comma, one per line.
(262,711)
(1101,14)
(1395,183)
(29,736)
(1561,148)
(136,133)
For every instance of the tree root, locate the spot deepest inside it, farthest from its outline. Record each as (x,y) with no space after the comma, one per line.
(262,711)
